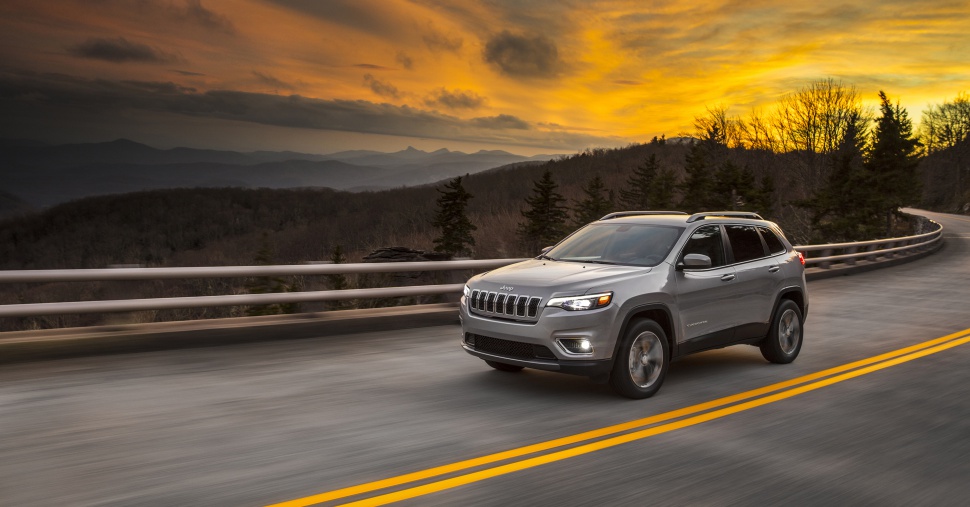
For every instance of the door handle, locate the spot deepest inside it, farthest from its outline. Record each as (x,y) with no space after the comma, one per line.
(727,278)
(773,269)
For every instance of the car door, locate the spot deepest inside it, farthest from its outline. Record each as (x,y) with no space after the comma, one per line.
(705,296)
(757,278)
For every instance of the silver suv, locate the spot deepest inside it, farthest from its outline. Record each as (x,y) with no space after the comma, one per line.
(621,297)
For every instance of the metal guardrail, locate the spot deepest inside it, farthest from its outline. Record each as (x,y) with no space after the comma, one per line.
(869,250)
(850,253)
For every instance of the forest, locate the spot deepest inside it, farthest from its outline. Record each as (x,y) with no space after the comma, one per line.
(819,163)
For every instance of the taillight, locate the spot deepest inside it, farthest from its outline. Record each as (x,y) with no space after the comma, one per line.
(801,257)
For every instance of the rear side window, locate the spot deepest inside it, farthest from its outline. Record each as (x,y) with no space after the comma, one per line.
(745,242)
(706,241)
(775,245)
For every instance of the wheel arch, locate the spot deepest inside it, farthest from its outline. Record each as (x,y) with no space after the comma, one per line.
(796,295)
(656,312)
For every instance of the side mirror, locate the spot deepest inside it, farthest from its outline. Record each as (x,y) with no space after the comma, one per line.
(694,261)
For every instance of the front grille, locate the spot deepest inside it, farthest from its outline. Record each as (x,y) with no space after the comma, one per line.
(512,305)
(507,348)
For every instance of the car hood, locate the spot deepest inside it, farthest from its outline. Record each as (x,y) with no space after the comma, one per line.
(546,277)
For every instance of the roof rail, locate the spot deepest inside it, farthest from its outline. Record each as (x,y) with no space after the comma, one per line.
(733,214)
(621,214)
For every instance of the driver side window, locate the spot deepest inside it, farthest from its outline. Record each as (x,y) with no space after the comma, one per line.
(706,241)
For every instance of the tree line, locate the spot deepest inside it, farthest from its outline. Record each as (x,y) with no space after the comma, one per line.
(823,166)
(858,169)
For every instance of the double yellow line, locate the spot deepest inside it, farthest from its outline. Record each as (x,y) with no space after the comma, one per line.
(623,433)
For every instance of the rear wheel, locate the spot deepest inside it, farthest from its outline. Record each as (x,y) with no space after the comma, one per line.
(502,366)
(641,363)
(784,339)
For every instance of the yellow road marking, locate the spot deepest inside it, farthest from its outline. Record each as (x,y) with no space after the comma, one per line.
(885,360)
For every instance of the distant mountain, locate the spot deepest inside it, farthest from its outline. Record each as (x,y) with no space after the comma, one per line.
(12,206)
(45,175)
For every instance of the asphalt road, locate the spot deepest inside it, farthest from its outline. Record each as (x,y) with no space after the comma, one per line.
(257,424)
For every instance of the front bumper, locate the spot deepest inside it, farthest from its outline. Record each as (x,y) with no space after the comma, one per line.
(553,324)
(588,368)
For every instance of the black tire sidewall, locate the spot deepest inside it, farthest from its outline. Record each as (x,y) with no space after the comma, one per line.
(620,379)
(771,347)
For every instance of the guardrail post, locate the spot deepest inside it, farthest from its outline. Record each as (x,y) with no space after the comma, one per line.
(826,253)
(851,250)
(872,248)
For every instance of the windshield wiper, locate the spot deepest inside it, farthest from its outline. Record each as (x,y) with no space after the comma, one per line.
(602,262)
(544,256)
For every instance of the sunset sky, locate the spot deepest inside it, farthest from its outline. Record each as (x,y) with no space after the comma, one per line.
(528,76)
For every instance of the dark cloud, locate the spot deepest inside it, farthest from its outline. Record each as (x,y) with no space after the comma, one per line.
(502,121)
(523,56)
(370,16)
(272,81)
(371,66)
(627,82)
(60,98)
(382,88)
(121,50)
(187,72)
(195,12)
(404,60)
(457,99)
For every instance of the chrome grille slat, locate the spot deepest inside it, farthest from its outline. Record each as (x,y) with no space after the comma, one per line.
(510,304)
(505,305)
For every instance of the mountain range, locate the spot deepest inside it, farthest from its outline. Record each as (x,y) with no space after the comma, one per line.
(43,175)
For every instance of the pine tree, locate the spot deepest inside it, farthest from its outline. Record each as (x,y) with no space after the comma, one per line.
(697,188)
(594,205)
(848,206)
(545,220)
(456,229)
(640,186)
(763,200)
(662,191)
(269,284)
(893,159)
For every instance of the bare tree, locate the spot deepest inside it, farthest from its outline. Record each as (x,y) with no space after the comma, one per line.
(815,118)
(944,125)
(718,127)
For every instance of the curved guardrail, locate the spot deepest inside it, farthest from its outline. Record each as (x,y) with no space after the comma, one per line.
(830,254)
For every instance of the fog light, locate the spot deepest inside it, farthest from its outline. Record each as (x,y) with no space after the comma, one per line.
(576,345)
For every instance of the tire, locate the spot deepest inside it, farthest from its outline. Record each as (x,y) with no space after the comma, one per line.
(784,339)
(503,367)
(641,361)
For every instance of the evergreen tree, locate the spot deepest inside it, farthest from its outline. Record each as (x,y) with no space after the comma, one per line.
(545,220)
(847,207)
(269,284)
(594,205)
(662,192)
(893,160)
(763,200)
(456,229)
(640,186)
(697,188)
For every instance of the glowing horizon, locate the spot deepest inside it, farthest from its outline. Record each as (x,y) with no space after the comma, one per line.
(529,77)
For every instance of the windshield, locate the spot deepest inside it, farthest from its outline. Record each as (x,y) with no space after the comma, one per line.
(630,244)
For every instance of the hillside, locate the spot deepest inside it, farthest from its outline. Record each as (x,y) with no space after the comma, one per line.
(48,175)
(224,226)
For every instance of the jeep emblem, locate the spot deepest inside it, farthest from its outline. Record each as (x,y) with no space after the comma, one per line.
(505,287)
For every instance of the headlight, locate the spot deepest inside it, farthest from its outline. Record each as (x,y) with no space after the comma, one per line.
(578,303)
(467,292)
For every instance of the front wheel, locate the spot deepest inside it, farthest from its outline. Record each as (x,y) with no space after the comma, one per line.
(641,363)
(503,366)
(784,339)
